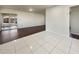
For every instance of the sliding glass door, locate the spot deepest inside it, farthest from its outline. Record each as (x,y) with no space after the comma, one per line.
(9,21)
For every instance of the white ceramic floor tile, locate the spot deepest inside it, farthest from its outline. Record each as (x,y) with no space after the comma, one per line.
(64,45)
(33,45)
(40,50)
(74,52)
(48,46)
(75,46)
(26,50)
(7,48)
(20,43)
(57,51)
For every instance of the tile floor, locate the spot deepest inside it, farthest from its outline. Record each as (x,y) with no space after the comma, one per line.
(41,43)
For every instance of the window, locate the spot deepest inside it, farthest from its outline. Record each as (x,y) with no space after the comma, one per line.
(9,18)
(6,20)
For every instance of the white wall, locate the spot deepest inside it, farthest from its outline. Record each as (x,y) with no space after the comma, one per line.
(74,18)
(57,20)
(0,21)
(26,19)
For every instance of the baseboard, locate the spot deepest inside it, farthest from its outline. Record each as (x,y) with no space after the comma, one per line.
(74,36)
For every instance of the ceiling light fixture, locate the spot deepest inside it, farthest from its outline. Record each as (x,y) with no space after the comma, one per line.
(30,9)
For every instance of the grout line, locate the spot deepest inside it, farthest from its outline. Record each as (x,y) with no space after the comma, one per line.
(55,46)
(15,47)
(70,47)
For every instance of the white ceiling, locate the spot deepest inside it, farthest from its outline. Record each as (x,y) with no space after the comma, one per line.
(36,8)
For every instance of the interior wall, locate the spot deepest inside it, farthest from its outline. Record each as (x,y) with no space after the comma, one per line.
(57,20)
(26,19)
(0,21)
(74,20)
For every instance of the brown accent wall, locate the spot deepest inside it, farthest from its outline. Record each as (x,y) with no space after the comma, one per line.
(8,35)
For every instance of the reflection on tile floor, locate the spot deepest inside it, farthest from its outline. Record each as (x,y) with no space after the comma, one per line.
(41,43)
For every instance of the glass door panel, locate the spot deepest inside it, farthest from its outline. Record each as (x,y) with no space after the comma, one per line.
(9,21)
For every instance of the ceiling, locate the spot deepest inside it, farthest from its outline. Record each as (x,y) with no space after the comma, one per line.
(36,8)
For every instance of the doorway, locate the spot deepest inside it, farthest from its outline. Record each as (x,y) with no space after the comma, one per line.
(74,22)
